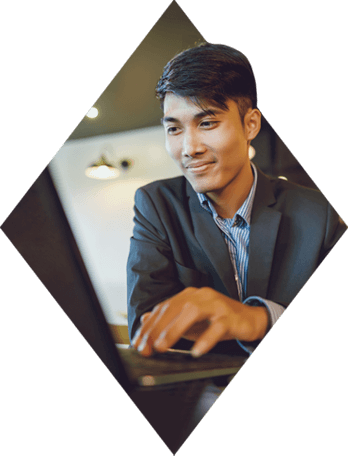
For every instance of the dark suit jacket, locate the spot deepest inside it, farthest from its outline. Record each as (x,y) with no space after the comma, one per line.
(176,243)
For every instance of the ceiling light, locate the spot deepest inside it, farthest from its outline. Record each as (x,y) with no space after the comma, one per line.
(251,152)
(92,113)
(101,169)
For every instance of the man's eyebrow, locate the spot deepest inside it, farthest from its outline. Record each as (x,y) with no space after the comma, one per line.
(198,115)
(168,119)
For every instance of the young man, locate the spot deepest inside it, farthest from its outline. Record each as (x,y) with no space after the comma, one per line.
(218,254)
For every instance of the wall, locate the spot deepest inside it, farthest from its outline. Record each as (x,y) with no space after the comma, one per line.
(100,212)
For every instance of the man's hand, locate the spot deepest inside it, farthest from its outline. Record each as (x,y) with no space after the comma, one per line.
(200,314)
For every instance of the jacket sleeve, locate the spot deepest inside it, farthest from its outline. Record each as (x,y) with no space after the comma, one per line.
(151,272)
(335,227)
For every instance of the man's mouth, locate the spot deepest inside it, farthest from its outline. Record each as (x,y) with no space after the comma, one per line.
(198,166)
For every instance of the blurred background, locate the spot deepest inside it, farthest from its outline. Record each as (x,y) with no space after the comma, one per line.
(124,127)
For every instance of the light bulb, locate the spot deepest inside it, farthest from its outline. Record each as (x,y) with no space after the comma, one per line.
(251,152)
(92,113)
(102,172)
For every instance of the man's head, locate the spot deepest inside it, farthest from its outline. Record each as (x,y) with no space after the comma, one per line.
(208,96)
(210,72)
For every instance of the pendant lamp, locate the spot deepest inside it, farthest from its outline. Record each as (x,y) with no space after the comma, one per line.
(102,169)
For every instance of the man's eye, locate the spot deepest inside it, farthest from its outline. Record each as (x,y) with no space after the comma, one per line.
(207,124)
(172,130)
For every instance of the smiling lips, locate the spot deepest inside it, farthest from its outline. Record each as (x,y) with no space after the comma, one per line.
(198,166)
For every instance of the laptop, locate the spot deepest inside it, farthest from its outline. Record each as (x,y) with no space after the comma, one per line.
(39,229)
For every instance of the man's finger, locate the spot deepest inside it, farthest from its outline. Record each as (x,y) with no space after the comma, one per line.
(144,322)
(174,329)
(144,317)
(214,334)
(170,313)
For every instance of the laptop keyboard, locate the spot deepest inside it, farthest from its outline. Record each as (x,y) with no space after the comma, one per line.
(177,361)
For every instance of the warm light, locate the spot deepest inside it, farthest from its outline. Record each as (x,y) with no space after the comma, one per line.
(102,169)
(252,152)
(102,172)
(92,113)
(283,177)
(148,380)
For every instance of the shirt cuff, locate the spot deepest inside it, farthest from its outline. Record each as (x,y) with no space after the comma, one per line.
(274,312)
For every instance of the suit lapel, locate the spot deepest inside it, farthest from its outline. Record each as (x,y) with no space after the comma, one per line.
(211,241)
(263,235)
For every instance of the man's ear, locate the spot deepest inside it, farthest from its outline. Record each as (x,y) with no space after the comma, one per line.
(252,123)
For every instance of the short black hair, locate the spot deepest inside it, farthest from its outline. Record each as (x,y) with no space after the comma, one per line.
(210,73)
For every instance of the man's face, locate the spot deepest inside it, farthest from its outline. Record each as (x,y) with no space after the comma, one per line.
(210,146)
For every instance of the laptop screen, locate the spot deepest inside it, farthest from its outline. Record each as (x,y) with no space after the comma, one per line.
(40,231)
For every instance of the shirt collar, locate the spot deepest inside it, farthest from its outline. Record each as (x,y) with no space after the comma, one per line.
(244,211)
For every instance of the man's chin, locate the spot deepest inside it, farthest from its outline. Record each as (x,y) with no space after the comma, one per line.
(201,187)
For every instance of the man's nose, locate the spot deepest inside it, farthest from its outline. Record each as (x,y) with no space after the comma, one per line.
(192,145)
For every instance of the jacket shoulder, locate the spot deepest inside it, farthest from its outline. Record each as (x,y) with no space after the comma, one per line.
(286,190)
(308,206)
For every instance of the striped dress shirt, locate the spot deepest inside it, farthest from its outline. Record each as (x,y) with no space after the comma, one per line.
(236,232)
